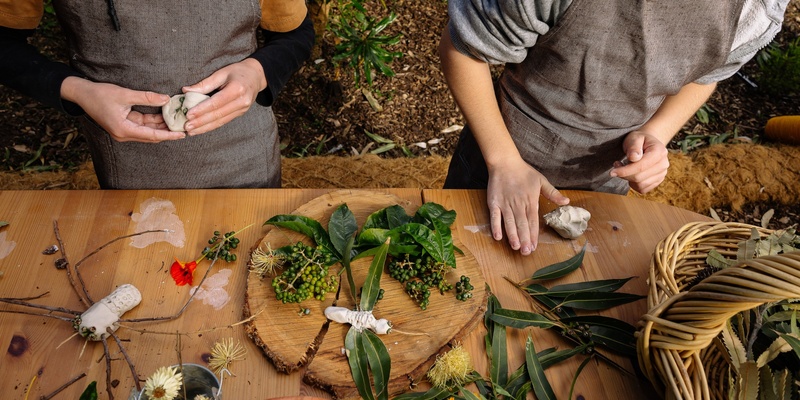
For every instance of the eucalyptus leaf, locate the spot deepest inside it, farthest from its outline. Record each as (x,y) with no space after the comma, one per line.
(359,364)
(502,391)
(342,227)
(605,285)
(555,306)
(614,340)
(307,226)
(598,300)
(379,362)
(471,396)
(577,374)
(521,319)
(372,283)
(432,394)
(553,358)
(517,380)
(600,320)
(499,357)
(492,304)
(541,386)
(535,288)
(560,269)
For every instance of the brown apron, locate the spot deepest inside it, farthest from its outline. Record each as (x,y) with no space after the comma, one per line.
(162,46)
(601,72)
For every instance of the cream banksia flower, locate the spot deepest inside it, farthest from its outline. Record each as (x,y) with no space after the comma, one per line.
(224,353)
(451,369)
(264,262)
(164,384)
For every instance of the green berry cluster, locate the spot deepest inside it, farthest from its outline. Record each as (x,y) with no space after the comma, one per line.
(228,242)
(419,275)
(305,275)
(464,289)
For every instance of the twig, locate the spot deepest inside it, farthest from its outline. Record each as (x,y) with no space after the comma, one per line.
(202,331)
(127,359)
(64,386)
(11,300)
(180,360)
(107,356)
(86,302)
(37,315)
(97,250)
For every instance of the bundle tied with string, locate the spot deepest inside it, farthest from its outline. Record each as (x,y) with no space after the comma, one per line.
(678,339)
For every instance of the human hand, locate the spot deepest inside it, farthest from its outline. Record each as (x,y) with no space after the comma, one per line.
(238,85)
(513,199)
(648,162)
(110,106)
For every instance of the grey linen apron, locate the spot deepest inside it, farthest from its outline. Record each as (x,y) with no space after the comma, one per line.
(601,72)
(162,46)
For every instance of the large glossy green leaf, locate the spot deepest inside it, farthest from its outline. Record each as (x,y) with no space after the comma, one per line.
(90,393)
(341,228)
(359,366)
(379,362)
(560,269)
(598,300)
(307,226)
(445,237)
(396,216)
(541,386)
(372,283)
(432,211)
(349,270)
(430,240)
(521,319)
(604,285)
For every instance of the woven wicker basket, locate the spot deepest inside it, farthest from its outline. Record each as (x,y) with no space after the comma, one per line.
(676,339)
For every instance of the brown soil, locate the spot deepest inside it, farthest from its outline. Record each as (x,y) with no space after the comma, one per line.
(323,112)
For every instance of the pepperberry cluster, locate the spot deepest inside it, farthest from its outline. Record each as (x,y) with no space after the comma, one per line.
(421,274)
(305,275)
(227,242)
(464,288)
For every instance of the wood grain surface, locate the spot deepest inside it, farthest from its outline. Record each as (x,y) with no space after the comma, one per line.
(622,235)
(293,340)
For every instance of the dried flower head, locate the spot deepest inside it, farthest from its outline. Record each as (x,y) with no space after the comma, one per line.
(265,262)
(201,397)
(164,384)
(451,369)
(224,353)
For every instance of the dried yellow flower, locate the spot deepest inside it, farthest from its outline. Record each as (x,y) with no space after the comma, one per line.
(164,384)
(264,262)
(224,353)
(451,369)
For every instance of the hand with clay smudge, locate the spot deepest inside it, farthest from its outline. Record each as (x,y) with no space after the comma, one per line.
(238,85)
(512,195)
(648,161)
(110,106)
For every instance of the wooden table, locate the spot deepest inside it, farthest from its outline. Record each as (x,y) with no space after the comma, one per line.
(623,232)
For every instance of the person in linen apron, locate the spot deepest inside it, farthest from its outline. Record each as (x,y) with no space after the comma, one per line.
(142,52)
(589,97)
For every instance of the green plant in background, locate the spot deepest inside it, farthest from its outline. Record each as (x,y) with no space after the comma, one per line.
(780,68)
(361,44)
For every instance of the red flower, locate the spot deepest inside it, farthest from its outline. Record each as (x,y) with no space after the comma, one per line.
(182,272)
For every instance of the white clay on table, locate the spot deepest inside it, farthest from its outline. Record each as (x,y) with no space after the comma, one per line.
(360,320)
(570,222)
(104,315)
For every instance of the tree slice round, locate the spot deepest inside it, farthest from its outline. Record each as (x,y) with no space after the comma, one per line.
(292,339)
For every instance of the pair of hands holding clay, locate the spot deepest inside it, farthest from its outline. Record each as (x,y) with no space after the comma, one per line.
(109,105)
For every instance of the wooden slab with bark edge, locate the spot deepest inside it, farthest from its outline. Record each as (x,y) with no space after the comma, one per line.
(292,340)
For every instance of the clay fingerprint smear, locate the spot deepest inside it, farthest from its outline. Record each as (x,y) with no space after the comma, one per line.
(6,245)
(213,290)
(155,213)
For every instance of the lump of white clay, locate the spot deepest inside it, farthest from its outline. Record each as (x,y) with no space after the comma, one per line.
(104,315)
(175,110)
(570,222)
(360,320)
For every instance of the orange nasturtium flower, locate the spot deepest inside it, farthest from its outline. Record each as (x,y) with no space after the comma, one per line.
(182,272)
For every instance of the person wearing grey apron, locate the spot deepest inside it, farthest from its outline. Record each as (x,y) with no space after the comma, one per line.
(126,60)
(591,92)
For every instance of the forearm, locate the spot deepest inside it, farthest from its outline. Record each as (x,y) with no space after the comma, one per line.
(676,110)
(470,82)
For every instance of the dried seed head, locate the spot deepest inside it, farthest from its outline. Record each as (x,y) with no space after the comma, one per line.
(164,384)
(451,369)
(224,353)
(264,262)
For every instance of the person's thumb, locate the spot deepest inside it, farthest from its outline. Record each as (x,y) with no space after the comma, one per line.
(207,85)
(551,193)
(635,149)
(149,99)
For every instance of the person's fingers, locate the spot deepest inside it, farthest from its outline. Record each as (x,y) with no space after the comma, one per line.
(551,193)
(145,98)
(207,85)
(635,149)
(510,224)
(496,222)
(523,223)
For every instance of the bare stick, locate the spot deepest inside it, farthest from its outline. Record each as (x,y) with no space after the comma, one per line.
(86,301)
(64,386)
(107,356)
(97,250)
(37,315)
(39,306)
(202,331)
(127,359)
(180,360)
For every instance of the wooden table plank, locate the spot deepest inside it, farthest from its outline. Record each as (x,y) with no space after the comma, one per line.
(622,234)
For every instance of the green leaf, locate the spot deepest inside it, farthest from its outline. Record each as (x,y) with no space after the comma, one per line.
(432,211)
(560,269)
(748,381)
(767,385)
(614,339)
(432,394)
(378,138)
(341,228)
(521,319)
(372,283)
(598,300)
(499,357)
(541,386)
(793,341)
(555,306)
(379,362)
(577,374)
(3,223)
(605,285)
(471,396)
(359,365)
(436,245)
(349,270)
(547,360)
(734,346)
(90,393)
(307,226)
(601,320)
